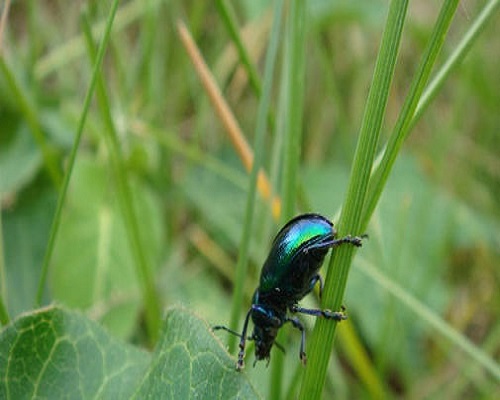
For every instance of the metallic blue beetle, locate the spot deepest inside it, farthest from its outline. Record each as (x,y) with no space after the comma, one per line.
(290,273)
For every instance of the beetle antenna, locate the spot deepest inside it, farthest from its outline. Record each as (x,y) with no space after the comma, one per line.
(225,328)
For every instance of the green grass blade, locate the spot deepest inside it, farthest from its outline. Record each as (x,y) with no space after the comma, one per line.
(144,270)
(455,58)
(265,100)
(229,18)
(321,341)
(71,162)
(426,314)
(401,129)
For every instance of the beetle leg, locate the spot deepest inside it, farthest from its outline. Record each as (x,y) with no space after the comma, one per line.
(297,324)
(243,338)
(354,240)
(225,328)
(336,315)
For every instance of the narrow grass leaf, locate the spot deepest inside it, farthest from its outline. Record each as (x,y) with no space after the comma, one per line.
(459,53)
(426,314)
(260,131)
(350,220)
(143,269)
(401,129)
(74,150)
(229,18)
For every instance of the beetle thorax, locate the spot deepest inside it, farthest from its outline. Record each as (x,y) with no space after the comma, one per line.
(267,318)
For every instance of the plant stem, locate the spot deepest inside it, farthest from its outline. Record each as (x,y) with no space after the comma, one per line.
(71,162)
(143,269)
(350,221)
(260,131)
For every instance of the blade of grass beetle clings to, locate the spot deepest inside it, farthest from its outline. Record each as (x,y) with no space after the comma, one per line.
(417,100)
(321,341)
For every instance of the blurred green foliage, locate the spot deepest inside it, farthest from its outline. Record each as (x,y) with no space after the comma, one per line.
(435,232)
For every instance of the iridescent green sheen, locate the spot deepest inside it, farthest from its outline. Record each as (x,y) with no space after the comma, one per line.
(289,245)
(300,234)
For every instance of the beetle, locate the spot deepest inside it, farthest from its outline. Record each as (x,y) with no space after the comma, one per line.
(289,273)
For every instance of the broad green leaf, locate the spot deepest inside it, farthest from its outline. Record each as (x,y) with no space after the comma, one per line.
(57,353)
(93,265)
(54,353)
(188,363)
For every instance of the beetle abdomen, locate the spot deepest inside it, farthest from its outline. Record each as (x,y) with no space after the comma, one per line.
(290,266)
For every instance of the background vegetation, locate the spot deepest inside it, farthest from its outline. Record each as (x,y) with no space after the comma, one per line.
(158,201)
